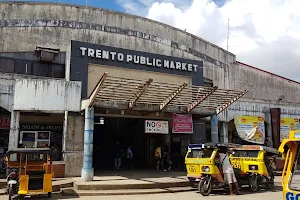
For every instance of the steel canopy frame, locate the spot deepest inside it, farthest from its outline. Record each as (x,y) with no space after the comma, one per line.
(159,96)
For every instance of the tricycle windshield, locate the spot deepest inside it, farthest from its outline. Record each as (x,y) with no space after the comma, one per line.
(294,183)
(246,153)
(200,153)
(34,157)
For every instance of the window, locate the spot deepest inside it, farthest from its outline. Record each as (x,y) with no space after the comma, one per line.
(58,71)
(7,65)
(295,181)
(23,67)
(35,139)
(200,153)
(41,69)
(242,153)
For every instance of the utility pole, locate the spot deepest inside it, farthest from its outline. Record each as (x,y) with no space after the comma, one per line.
(228,35)
(86,2)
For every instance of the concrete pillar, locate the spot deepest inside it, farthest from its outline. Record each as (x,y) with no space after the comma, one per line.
(214,129)
(14,130)
(65,130)
(224,132)
(87,172)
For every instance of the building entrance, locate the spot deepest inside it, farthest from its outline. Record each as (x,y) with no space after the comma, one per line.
(127,132)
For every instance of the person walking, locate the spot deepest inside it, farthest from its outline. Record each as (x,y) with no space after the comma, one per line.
(228,171)
(129,156)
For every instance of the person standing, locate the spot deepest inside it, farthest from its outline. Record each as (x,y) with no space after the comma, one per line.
(228,171)
(157,157)
(129,156)
(117,156)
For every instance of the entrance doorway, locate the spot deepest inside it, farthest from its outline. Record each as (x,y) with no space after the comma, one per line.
(128,132)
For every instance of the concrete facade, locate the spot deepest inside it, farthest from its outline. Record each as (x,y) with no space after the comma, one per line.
(55,25)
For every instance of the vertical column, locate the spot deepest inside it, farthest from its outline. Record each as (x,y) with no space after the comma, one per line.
(14,130)
(65,129)
(87,172)
(225,131)
(214,129)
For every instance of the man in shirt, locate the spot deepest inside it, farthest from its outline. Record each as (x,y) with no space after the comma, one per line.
(129,155)
(228,172)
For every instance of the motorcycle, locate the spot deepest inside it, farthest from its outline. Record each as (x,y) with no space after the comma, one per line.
(12,184)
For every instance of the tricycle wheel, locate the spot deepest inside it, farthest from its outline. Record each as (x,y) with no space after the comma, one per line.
(49,194)
(270,184)
(205,187)
(10,194)
(253,184)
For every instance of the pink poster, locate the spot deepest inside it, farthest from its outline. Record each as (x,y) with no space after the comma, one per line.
(182,123)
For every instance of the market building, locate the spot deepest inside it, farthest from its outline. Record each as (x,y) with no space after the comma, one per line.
(139,77)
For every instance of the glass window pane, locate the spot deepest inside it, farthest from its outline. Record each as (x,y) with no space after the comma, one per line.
(295,180)
(43,144)
(23,67)
(7,65)
(43,135)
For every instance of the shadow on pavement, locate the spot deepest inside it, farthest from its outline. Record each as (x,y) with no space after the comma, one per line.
(55,196)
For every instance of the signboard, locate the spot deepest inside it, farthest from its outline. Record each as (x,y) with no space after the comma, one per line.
(4,123)
(153,126)
(38,127)
(250,128)
(182,123)
(287,125)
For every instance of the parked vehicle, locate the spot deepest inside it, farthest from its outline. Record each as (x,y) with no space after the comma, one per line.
(290,148)
(29,172)
(254,165)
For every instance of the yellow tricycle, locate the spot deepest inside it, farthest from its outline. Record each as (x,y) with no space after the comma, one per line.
(204,168)
(29,172)
(290,179)
(254,165)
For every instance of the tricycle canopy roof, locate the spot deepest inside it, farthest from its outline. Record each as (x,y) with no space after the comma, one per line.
(213,145)
(256,147)
(30,151)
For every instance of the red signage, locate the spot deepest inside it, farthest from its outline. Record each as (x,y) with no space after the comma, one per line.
(4,123)
(182,123)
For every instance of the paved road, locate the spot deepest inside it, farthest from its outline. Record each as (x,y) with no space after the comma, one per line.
(274,195)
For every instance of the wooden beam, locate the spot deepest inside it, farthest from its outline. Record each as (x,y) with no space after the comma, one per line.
(140,93)
(196,103)
(97,89)
(171,97)
(222,108)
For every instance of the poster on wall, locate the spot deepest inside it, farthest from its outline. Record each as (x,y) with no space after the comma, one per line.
(154,126)
(182,123)
(250,128)
(287,125)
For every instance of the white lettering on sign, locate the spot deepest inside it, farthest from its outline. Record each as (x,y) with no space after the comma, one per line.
(137,59)
(153,126)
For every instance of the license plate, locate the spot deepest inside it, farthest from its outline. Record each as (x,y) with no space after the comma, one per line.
(236,165)
(192,169)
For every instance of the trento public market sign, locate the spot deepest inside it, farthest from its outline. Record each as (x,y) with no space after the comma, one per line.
(137,59)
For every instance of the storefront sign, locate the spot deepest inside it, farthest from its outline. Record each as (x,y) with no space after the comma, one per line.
(182,123)
(250,128)
(4,123)
(153,126)
(287,125)
(137,59)
(37,127)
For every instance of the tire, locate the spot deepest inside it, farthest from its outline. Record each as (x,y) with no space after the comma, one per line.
(205,187)
(10,193)
(49,195)
(270,184)
(253,184)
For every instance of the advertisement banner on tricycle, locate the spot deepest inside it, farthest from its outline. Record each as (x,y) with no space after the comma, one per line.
(250,128)
(287,125)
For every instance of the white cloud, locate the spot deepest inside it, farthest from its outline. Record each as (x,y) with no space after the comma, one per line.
(263,33)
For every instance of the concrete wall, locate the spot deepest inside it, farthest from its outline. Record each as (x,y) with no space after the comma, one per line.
(47,95)
(54,25)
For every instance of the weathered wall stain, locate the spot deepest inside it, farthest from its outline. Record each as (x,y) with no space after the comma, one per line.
(108,29)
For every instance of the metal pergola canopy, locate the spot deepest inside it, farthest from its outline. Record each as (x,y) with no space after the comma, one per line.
(125,93)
